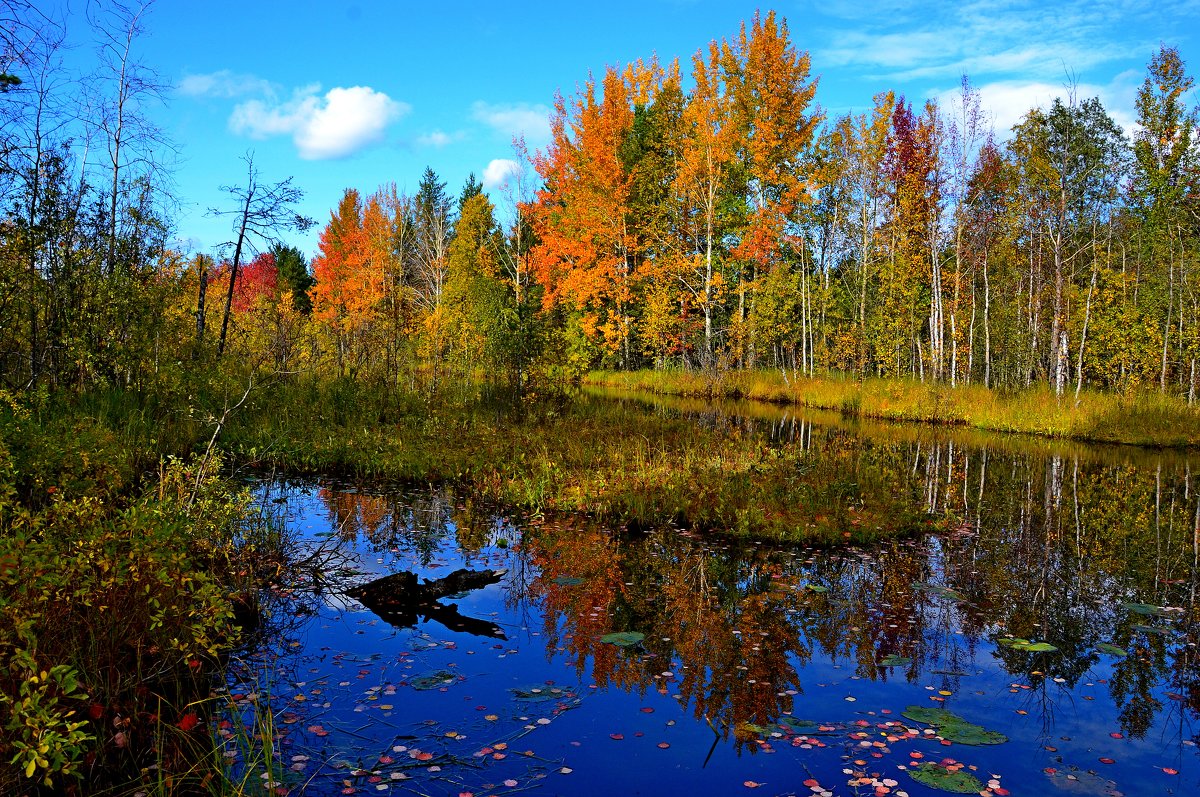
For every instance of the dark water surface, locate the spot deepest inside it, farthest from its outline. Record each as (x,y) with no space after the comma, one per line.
(1056,610)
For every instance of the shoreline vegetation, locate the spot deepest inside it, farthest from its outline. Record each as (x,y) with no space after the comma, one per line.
(116,499)
(1147,419)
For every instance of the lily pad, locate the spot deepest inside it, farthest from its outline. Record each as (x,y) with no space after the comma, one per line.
(624,639)
(748,728)
(816,588)
(1016,643)
(937,589)
(936,776)
(433,680)
(1153,629)
(537,694)
(1012,641)
(1111,649)
(568,581)
(892,660)
(1038,647)
(1145,609)
(805,727)
(952,727)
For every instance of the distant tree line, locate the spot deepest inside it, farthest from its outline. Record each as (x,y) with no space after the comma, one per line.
(715,222)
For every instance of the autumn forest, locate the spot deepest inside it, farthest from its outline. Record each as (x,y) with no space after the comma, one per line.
(210,455)
(698,215)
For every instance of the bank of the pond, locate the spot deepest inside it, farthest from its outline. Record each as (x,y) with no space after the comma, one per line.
(1144,419)
(609,460)
(122,590)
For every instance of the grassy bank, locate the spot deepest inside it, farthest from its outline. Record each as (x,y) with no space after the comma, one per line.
(606,459)
(120,592)
(1144,419)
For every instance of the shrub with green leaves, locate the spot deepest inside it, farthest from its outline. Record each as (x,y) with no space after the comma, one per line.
(111,599)
(41,730)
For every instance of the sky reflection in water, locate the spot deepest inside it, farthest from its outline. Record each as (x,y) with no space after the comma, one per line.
(768,668)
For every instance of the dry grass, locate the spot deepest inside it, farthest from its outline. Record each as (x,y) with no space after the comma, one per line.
(1150,418)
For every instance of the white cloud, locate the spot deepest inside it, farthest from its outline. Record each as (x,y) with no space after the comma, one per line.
(438,139)
(995,39)
(225,84)
(1008,101)
(516,119)
(335,125)
(497,173)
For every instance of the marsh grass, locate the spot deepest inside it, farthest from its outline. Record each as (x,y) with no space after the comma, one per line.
(609,460)
(1144,418)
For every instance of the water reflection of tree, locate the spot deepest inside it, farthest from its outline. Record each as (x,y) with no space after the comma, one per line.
(415,520)
(1045,548)
(1041,545)
(1059,545)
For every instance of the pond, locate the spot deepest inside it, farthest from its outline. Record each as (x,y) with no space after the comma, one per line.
(1041,640)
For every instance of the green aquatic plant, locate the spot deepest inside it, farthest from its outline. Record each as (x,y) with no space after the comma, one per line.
(624,639)
(952,727)
(945,778)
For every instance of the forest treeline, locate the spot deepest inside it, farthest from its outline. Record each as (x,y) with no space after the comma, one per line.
(704,215)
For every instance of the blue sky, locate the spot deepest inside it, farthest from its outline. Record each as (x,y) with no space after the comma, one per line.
(339,94)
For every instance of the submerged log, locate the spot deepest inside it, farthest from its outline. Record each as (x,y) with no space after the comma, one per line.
(402,600)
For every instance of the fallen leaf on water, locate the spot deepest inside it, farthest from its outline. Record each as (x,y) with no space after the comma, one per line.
(1170,771)
(751,784)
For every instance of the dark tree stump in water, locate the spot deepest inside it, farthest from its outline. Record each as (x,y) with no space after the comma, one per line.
(402,600)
